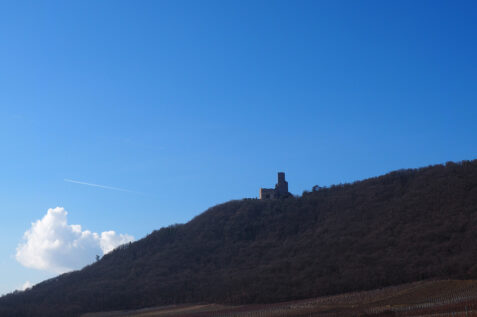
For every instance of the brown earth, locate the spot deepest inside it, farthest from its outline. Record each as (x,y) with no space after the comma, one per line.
(428,298)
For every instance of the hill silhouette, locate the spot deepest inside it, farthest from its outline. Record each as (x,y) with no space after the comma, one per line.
(405,226)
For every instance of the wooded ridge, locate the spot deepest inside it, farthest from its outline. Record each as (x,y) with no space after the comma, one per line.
(405,226)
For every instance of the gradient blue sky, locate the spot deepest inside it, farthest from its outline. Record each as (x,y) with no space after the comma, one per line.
(193,103)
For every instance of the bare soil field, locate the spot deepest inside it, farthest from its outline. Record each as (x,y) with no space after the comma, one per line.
(429,298)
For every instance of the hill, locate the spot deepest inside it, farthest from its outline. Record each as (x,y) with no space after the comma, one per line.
(454,298)
(405,226)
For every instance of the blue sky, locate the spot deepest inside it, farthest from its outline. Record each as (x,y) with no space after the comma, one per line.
(187,104)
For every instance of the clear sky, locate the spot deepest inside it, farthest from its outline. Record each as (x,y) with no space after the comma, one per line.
(186,104)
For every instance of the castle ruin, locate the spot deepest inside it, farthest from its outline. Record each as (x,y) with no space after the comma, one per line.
(280,190)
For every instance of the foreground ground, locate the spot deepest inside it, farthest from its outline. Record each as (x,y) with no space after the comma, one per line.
(431,298)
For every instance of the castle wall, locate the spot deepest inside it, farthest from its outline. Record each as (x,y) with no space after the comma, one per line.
(267,193)
(282,185)
(280,190)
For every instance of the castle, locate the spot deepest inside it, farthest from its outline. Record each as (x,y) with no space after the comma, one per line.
(280,191)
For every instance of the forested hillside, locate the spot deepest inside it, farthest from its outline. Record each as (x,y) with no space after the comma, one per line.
(405,226)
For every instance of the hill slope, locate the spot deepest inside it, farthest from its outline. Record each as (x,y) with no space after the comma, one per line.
(426,298)
(405,226)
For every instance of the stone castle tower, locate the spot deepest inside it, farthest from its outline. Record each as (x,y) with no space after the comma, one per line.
(280,191)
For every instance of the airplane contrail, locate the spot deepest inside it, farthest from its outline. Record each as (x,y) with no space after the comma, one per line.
(100,186)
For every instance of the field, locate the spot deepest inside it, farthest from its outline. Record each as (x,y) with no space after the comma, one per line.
(430,298)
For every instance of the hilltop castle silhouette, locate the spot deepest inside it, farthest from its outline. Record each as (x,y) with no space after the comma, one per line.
(280,190)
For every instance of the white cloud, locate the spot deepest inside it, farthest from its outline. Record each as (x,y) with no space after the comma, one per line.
(52,244)
(25,286)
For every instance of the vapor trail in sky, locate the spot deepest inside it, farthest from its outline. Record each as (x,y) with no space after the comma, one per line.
(100,186)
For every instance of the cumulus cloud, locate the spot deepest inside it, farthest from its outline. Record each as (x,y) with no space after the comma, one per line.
(52,244)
